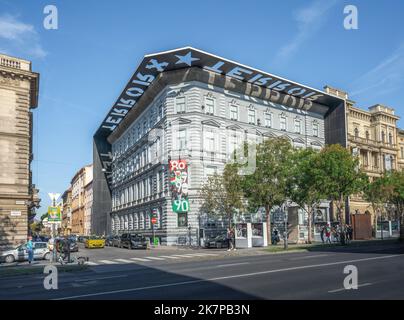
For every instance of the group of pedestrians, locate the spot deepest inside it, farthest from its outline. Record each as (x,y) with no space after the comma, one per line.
(331,234)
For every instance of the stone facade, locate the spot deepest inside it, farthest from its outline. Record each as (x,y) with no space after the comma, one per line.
(88,206)
(67,212)
(78,183)
(201,124)
(374,137)
(18,196)
(400,141)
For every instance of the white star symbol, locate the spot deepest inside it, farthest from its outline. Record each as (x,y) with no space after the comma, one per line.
(187,59)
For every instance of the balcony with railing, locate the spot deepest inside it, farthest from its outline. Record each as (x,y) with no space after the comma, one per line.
(370,142)
(14,63)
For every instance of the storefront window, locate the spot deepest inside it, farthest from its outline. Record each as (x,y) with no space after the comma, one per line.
(241,230)
(257,229)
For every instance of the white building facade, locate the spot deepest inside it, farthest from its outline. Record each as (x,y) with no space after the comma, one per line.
(196,118)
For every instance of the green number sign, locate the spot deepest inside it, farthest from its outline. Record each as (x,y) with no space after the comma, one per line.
(180,205)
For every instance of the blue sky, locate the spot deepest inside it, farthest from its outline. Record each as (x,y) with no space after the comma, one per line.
(86,62)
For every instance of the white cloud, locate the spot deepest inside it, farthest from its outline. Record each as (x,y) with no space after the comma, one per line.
(309,20)
(19,38)
(384,78)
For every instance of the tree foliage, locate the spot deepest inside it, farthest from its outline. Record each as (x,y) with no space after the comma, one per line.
(222,195)
(267,186)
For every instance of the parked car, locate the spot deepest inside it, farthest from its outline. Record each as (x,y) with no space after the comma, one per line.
(219,241)
(109,240)
(116,241)
(133,241)
(82,239)
(20,253)
(94,242)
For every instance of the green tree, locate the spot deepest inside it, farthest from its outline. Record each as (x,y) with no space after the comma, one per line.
(267,186)
(222,195)
(340,177)
(303,184)
(394,187)
(376,192)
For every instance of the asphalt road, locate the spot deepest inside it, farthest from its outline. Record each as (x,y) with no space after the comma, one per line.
(308,275)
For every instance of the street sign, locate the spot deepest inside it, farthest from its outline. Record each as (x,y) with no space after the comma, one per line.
(54,214)
(15,213)
(154,220)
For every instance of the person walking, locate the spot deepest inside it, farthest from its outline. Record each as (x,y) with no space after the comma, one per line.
(322,233)
(30,250)
(327,235)
(230,236)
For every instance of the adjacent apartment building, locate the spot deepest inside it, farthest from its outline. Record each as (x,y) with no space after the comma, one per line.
(177,121)
(373,136)
(18,196)
(66,226)
(81,179)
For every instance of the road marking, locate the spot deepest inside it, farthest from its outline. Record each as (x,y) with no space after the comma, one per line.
(226,277)
(231,264)
(101,278)
(201,254)
(182,255)
(343,289)
(107,262)
(155,258)
(170,257)
(124,260)
(140,259)
(308,257)
(90,263)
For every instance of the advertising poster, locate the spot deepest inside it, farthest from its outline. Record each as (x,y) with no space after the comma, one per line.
(179,185)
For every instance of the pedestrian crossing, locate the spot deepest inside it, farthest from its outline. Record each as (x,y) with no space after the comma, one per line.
(149,259)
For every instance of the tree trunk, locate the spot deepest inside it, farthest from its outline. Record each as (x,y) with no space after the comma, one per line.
(340,207)
(268,216)
(309,217)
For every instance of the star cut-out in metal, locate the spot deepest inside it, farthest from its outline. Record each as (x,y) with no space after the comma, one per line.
(187,59)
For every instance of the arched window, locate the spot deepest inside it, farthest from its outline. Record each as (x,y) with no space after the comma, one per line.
(356,132)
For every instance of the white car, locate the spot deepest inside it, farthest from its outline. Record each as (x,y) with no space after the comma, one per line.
(20,253)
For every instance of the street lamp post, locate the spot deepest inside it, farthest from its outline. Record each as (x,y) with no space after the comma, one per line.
(286,236)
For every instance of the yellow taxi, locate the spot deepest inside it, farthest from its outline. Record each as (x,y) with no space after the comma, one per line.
(94,242)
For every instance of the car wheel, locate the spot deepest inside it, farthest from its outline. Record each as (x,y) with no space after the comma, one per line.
(46,256)
(9,259)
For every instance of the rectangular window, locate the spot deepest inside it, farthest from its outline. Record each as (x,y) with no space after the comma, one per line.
(251,116)
(209,141)
(402,152)
(182,219)
(151,191)
(283,123)
(180,104)
(315,129)
(160,111)
(298,126)
(233,112)
(210,170)
(210,105)
(182,139)
(268,120)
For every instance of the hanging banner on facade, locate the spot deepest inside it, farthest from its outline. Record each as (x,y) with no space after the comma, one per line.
(179,185)
(54,214)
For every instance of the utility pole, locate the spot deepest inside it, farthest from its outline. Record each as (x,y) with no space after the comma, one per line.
(286,236)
